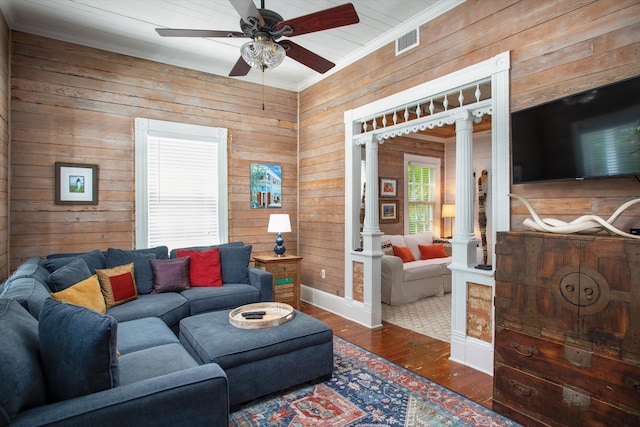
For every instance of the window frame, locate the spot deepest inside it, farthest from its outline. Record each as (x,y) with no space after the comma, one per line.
(429,162)
(159,128)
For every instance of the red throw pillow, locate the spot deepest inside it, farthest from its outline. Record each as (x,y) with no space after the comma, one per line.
(404,253)
(204,268)
(432,251)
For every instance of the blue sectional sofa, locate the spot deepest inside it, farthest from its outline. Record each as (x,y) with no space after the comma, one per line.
(67,365)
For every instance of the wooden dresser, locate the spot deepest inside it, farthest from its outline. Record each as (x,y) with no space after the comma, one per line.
(567,337)
(286,277)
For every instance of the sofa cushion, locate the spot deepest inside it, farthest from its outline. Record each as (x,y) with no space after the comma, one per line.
(118,284)
(31,268)
(22,385)
(231,295)
(168,306)
(404,253)
(78,350)
(413,240)
(140,334)
(94,259)
(396,239)
(140,259)
(424,268)
(170,275)
(432,251)
(174,252)
(154,362)
(204,269)
(86,294)
(69,274)
(29,292)
(234,260)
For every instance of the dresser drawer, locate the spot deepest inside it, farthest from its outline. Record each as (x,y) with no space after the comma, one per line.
(284,267)
(545,403)
(613,381)
(284,292)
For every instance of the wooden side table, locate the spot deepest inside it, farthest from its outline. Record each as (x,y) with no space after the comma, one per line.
(286,277)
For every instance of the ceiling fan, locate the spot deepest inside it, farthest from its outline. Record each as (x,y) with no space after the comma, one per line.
(265,27)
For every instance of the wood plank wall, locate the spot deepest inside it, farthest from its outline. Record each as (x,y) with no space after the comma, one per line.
(78,104)
(5,137)
(557,48)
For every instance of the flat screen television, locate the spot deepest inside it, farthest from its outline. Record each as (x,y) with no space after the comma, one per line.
(593,134)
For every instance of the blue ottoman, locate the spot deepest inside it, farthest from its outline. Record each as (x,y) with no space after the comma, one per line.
(260,361)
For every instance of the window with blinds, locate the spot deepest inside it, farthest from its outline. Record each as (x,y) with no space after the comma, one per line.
(421,198)
(180,185)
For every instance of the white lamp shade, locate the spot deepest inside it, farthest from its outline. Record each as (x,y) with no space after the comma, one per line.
(279,223)
(448,211)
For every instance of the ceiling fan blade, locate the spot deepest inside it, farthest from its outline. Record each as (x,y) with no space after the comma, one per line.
(246,9)
(325,19)
(240,69)
(306,57)
(171,32)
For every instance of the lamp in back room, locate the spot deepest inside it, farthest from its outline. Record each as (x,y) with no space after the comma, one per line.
(449,211)
(279,223)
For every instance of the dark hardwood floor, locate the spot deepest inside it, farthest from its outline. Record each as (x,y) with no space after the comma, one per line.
(419,353)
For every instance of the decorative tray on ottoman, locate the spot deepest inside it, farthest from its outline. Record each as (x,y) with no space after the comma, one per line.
(261,315)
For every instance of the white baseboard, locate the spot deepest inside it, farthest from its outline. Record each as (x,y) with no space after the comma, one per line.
(472,352)
(349,309)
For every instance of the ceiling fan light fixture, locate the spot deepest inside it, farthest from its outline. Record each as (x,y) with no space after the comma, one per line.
(263,53)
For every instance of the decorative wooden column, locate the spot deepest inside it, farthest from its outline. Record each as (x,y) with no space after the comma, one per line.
(464,243)
(464,238)
(371,235)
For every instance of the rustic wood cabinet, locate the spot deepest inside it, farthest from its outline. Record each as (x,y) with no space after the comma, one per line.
(286,277)
(567,329)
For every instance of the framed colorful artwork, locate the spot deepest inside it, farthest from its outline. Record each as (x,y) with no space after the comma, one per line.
(76,184)
(266,186)
(388,211)
(388,187)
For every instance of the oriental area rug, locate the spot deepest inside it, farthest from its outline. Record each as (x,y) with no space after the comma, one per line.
(366,391)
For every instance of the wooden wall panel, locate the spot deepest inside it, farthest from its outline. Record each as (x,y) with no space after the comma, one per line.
(557,48)
(5,138)
(78,104)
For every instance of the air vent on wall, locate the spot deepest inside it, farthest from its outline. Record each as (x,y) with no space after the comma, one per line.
(407,41)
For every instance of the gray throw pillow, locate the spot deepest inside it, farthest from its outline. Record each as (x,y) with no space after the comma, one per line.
(22,384)
(94,259)
(141,265)
(68,275)
(78,350)
(234,260)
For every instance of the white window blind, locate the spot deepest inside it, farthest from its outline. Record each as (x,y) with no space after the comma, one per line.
(422,193)
(180,185)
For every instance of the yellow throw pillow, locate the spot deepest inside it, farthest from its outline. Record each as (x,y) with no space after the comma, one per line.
(85,294)
(118,284)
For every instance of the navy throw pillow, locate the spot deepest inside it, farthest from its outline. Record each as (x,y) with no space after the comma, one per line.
(78,350)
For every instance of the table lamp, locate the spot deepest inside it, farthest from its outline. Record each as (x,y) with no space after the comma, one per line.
(449,211)
(279,223)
